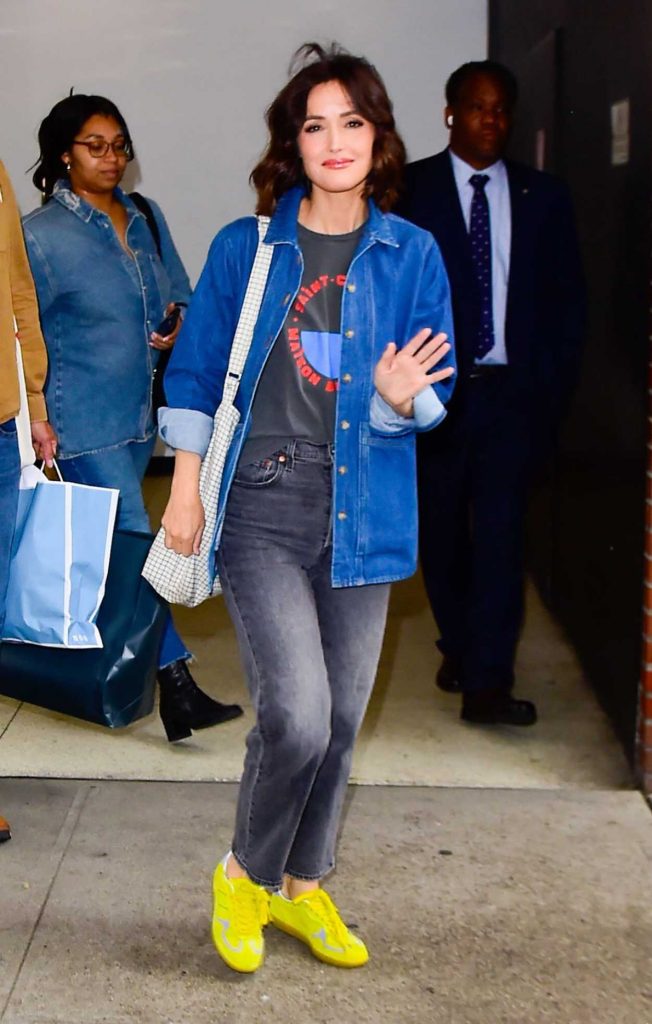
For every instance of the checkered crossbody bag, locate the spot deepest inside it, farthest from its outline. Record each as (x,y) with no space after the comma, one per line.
(191,579)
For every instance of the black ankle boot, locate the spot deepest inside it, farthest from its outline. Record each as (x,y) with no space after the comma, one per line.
(184,707)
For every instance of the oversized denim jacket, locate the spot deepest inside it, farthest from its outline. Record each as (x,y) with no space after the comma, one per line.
(395,286)
(98,306)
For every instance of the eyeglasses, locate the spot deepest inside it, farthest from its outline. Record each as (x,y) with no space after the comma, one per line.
(100,147)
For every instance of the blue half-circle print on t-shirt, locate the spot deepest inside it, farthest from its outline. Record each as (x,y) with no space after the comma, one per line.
(323,351)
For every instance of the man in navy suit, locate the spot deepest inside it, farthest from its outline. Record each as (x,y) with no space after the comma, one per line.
(507,236)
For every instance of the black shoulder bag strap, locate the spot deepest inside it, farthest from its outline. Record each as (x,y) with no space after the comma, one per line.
(158,394)
(148,213)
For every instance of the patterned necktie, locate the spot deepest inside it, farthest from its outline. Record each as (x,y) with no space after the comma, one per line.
(480,236)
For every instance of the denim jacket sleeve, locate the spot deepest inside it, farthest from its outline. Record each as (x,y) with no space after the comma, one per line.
(195,375)
(180,285)
(45,287)
(432,308)
(428,413)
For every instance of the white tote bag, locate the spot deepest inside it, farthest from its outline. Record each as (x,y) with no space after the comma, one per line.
(23,423)
(59,561)
(60,552)
(189,580)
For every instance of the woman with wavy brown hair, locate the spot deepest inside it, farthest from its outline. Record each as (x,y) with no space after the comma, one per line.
(317,510)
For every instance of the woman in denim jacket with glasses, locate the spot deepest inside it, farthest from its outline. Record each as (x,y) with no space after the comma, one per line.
(102,290)
(317,512)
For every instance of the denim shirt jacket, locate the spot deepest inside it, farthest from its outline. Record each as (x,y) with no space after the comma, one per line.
(98,306)
(396,285)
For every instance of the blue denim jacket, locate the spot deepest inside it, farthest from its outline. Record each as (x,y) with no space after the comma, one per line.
(98,306)
(395,286)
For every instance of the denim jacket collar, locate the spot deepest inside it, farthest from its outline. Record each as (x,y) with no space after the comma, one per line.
(283,227)
(63,194)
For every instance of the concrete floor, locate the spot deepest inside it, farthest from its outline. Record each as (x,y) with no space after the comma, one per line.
(478,907)
(502,876)
(412,734)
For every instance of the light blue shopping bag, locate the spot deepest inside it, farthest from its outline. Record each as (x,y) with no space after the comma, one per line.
(59,562)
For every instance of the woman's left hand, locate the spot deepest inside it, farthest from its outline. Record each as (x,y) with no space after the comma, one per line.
(157,341)
(44,441)
(401,374)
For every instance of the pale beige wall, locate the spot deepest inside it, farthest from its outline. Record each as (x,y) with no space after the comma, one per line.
(193,77)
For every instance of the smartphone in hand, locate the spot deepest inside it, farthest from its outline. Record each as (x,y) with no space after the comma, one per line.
(167,325)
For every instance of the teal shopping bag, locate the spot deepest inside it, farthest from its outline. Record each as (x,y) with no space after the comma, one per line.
(112,685)
(59,561)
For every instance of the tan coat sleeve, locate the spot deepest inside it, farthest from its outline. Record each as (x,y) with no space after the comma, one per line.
(25,305)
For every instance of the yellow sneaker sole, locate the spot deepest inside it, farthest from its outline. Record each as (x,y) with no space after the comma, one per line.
(316,952)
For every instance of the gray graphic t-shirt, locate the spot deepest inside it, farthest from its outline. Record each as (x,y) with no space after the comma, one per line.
(297,391)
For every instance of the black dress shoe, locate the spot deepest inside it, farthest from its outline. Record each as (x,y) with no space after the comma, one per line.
(448,676)
(502,709)
(184,707)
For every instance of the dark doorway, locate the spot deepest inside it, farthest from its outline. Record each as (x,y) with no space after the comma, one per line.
(578,62)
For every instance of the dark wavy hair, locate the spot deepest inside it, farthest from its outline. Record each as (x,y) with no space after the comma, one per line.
(482,67)
(59,129)
(280,167)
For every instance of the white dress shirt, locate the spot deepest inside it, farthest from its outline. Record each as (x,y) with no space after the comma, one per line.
(500,219)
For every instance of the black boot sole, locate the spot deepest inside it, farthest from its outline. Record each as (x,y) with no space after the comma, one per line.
(175,730)
(178,728)
(227,713)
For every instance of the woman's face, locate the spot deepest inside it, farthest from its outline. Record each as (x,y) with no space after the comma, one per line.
(335,142)
(96,174)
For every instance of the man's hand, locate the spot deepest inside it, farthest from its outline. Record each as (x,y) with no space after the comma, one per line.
(400,375)
(45,442)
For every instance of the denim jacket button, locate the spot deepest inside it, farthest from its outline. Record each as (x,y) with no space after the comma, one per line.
(345,424)
(342,470)
(350,288)
(349,333)
(342,515)
(347,378)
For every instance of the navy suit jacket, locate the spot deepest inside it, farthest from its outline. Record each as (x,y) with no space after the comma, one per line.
(546,296)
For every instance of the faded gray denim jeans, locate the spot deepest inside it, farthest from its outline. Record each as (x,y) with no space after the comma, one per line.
(310,652)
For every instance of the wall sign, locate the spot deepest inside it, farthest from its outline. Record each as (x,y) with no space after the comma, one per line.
(620,132)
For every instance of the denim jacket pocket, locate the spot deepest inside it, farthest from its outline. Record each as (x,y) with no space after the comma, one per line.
(263,472)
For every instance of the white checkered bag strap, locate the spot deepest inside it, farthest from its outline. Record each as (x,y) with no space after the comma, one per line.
(191,580)
(244,332)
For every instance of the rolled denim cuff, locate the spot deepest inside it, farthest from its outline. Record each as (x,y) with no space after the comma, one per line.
(383,418)
(187,430)
(429,410)
(427,407)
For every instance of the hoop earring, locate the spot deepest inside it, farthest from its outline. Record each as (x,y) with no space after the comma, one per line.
(449,121)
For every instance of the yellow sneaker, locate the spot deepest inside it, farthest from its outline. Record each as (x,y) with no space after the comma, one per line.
(314,918)
(240,909)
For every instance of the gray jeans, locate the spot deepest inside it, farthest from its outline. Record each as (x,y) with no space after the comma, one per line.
(310,652)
